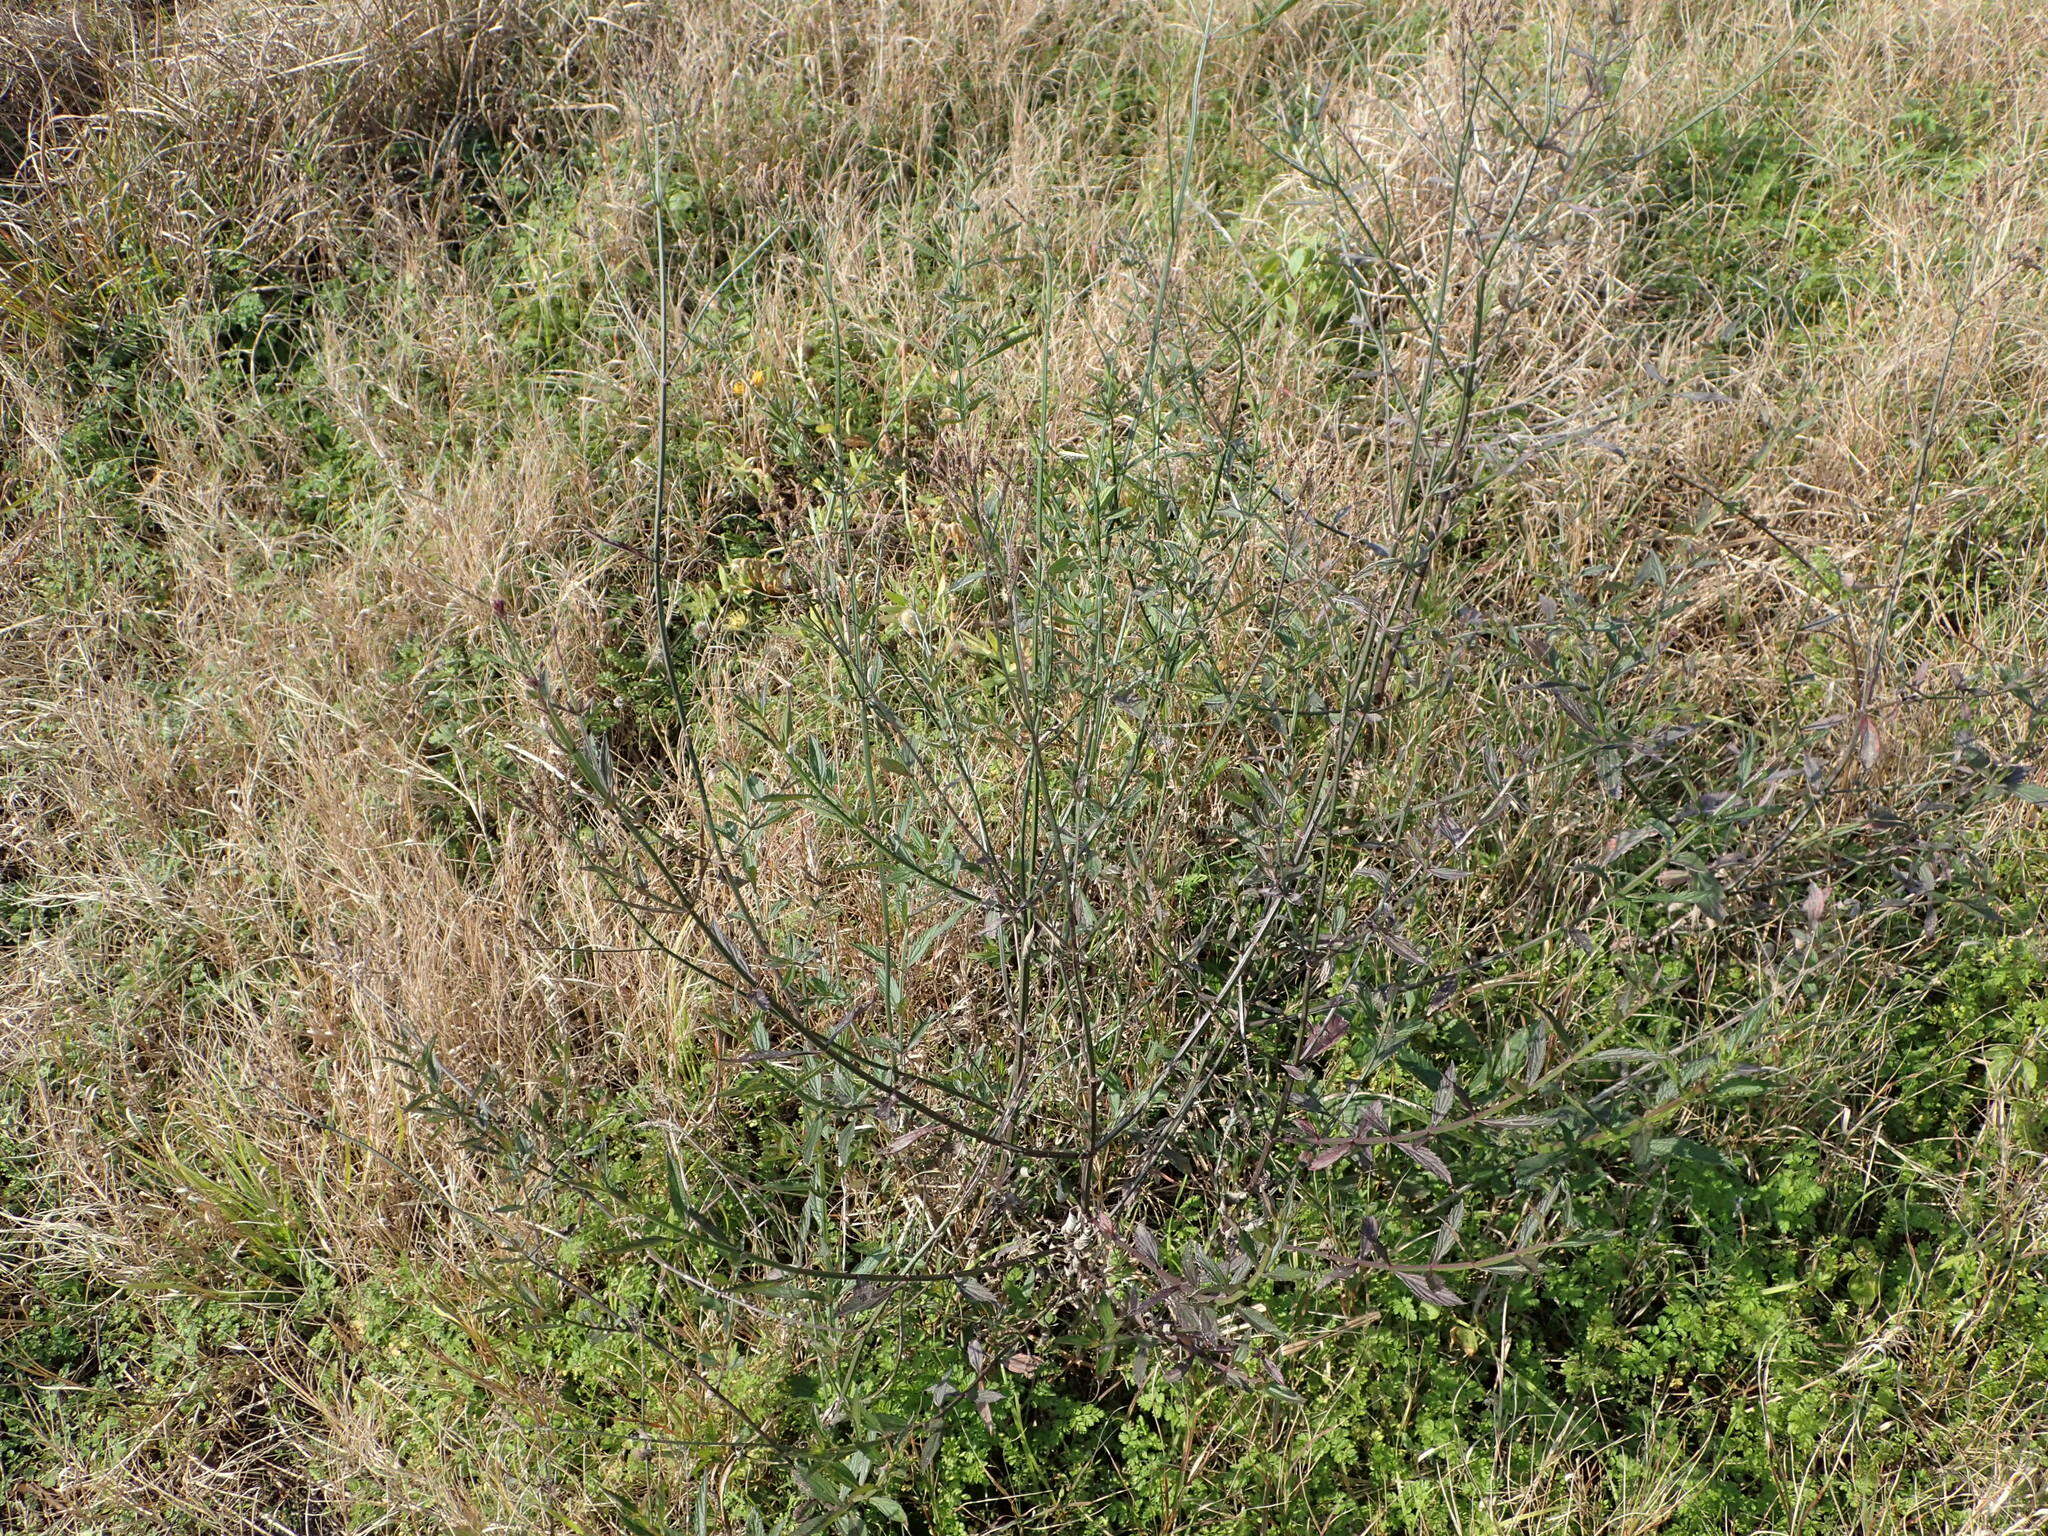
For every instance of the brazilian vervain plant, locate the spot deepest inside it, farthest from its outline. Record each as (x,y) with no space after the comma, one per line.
(1154,993)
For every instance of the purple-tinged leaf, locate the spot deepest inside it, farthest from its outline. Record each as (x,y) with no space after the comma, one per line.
(1426,1159)
(1146,1247)
(1334,1027)
(1317,1159)
(1447,1233)
(1404,949)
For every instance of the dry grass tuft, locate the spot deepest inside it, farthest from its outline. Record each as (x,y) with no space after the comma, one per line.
(56,62)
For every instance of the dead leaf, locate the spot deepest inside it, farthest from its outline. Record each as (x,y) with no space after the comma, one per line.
(897,1143)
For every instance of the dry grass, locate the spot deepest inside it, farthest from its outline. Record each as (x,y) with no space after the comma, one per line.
(278,806)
